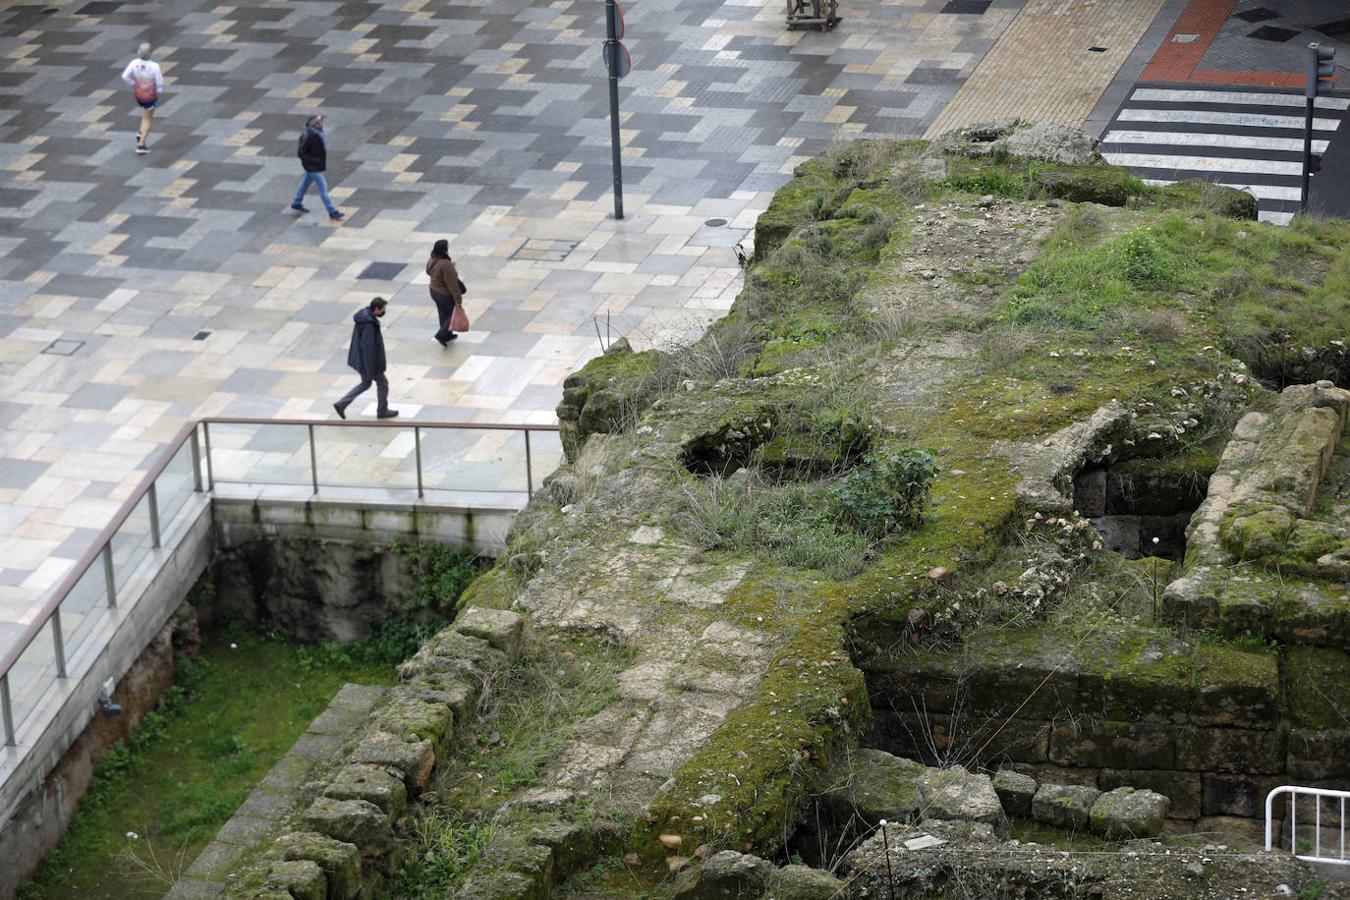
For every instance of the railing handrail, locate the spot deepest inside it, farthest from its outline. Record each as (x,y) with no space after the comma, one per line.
(161,462)
(1295,790)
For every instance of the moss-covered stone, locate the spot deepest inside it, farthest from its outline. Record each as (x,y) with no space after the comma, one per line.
(501,628)
(374,784)
(351,821)
(871,785)
(1316,683)
(415,759)
(1107,185)
(1126,813)
(1256,532)
(1066,806)
(607,393)
(414,719)
(339,860)
(796,882)
(1196,193)
(1015,791)
(457,692)
(302,879)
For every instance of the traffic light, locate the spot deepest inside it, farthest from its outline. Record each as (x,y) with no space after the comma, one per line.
(1321,70)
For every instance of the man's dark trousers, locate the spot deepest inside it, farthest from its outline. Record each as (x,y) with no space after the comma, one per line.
(381,392)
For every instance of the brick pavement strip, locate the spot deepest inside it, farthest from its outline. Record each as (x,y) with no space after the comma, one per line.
(1043,68)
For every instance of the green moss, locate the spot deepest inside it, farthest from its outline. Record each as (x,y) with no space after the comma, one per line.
(1198,194)
(186,771)
(494,589)
(1316,683)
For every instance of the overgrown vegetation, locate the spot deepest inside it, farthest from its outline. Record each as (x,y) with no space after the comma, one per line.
(159,798)
(523,726)
(444,573)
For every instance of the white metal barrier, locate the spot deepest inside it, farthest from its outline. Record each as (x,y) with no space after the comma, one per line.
(1318,795)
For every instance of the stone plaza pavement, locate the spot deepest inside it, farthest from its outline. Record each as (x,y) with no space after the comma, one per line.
(139,292)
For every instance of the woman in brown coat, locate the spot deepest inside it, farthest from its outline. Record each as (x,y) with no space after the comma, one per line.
(444,287)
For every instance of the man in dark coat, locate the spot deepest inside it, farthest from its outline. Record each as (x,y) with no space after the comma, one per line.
(313,153)
(366,356)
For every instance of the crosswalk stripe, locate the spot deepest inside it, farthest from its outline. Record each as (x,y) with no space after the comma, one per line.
(1208,117)
(1249,140)
(1203,163)
(1201,139)
(1247,98)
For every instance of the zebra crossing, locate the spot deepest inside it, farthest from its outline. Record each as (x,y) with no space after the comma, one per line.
(1251,140)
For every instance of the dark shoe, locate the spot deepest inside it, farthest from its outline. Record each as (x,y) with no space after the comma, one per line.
(336,216)
(142,150)
(452,336)
(299,207)
(341,410)
(442,341)
(386,414)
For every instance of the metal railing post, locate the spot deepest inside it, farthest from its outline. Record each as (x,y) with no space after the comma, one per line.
(417,445)
(7,710)
(313,461)
(108,575)
(529,467)
(210,472)
(196,461)
(153,496)
(58,643)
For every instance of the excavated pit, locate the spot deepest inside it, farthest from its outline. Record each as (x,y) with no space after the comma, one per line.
(1140,507)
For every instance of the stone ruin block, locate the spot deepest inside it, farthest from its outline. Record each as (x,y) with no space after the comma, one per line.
(374,784)
(351,821)
(503,629)
(339,860)
(1067,806)
(1015,791)
(1126,813)
(415,759)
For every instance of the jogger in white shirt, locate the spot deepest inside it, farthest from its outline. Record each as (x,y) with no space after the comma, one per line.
(146,82)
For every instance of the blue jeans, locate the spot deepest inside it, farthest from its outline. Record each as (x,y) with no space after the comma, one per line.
(314,178)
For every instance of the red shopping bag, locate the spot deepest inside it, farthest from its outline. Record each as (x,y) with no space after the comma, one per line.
(459,320)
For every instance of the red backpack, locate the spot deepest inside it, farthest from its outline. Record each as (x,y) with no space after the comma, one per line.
(143,85)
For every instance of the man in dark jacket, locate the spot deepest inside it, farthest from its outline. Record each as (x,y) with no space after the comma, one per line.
(366,356)
(313,153)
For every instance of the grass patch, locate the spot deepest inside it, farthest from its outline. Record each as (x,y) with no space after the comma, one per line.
(524,726)
(231,715)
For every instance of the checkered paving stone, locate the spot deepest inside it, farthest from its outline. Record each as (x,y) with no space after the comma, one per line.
(1249,42)
(196,291)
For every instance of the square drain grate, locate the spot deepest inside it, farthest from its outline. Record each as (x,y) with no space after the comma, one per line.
(545,249)
(382,271)
(63,347)
(967,7)
(1260,14)
(1273,34)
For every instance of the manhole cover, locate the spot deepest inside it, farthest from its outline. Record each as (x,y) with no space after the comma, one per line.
(63,347)
(382,271)
(545,249)
(715,223)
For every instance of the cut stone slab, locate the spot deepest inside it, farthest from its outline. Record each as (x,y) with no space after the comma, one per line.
(957,795)
(374,784)
(1128,813)
(503,629)
(353,821)
(725,876)
(457,692)
(301,878)
(415,759)
(873,785)
(1066,806)
(804,883)
(418,720)
(339,860)
(1015,791)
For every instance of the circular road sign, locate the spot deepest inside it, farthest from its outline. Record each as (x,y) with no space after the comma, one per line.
(625,59)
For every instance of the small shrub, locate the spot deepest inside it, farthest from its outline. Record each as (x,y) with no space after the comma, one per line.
(888,494)
(1142,261)
(1165,325)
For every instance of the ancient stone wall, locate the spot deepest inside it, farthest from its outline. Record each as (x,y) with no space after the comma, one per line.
(41,818)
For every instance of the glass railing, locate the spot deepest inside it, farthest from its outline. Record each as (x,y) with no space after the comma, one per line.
(427,461)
